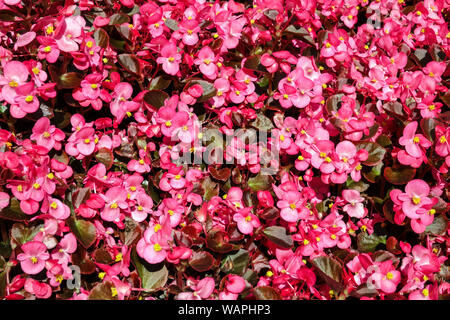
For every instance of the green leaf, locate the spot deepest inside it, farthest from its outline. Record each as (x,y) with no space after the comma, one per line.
(278,235)
(376,152)
(171,24)
(360,186)
(438,227)
(83,230)
(394,108)
(13,212)
(210,188)
(129,62)
(260,182)
(262,123)
(201,261)
(159,83)
(209,90)
(400,175)
(236,263)
(153,276)
(368,243)
(21,234)
(118,18)
(330,270)
(3,283)
(266,293)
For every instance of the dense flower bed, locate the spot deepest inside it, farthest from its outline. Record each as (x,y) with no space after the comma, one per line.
(189,149)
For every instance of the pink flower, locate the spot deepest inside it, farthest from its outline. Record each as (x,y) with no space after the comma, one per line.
(421,294)
(33,258)
(385,278)
(39,289)
(413,141)
(4,200)
(71,30)
(170,59)
(144,204)
(355,207)
(57,209)
(47,135)
(202,290)
(15,74)
(290,204)
(246,221)
(414,198)
(442,141)
(115,200)
(120,106)
(206,62)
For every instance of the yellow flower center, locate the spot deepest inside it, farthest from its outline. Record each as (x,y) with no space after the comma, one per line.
(237,92)
(171,59)
(317,239)
(171,213)
(34,260)
(416,139)
(140,208)
(269,273)
(87,140)
(416,200)
(431,212)
(248,218)
(431,107)
(59,278)
(305,242)
(49,29)
(89,44)
(29,98)
(94,86)
(389,275)
(282,138)
(46,134)
(36,70)
(113,205)
(425,292)
(47,49)
(133,188)
(157,247)
(178,177)
(207,61)
(157,227)
(36,185)
(292,206)
(141,161)
(358,167)
(328,45)
(301,158)
(285,96)
(119,257)
(51,176)
(114,291)
(54,205)
(333,236)
(328,159)
(442,139)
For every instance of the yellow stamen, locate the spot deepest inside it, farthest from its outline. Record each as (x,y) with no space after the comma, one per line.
(54,205)
(157,247)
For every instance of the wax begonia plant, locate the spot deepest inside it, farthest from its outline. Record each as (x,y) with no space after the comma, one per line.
(224,150)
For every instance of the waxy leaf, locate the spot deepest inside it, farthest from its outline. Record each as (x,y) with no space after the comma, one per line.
(155,98)
(101,38)
(400,175)
(368,243)
(330,270)
(105,156)
(201,261)
(278,235)
(266,293)
(236,263)
(129,62)
(153,276)
(13,212)
(102,291)
(83,230)
(376,152)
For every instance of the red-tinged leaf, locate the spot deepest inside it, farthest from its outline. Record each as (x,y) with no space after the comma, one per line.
(270,213)
(101,38)
(236,263)
(400,175)
(132,232)
(278,235)
(159,83)
(171,24)
(129,62)
(222,174)
(201,261)
(266,293)
(260,182)
(118,18)
(83,230)
(438,227)
(102,256)
(217,240)
(80,196)
(368,243)
(394,108)
(21,234)
(81,259)
(330,271)
(376,152)
(102,291)
(262,123)
(155,99)
(106,157)
(69,80)
(427,125)
(209,90)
